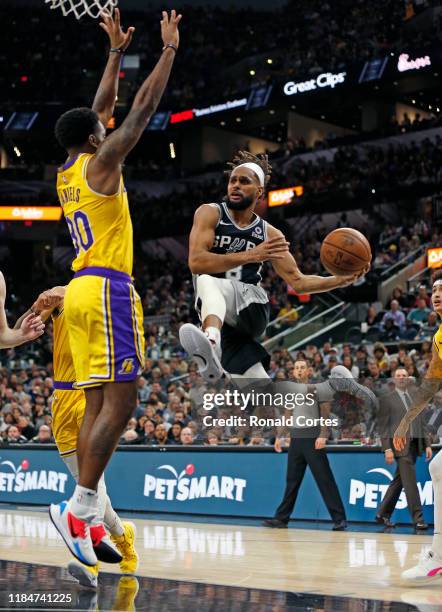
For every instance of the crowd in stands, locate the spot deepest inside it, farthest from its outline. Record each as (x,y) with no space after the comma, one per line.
(373,175)
(306,37)
(170,394)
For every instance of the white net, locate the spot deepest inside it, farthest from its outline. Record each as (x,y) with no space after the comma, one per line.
(79,8)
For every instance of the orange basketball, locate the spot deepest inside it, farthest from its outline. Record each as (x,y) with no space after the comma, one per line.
(345,251)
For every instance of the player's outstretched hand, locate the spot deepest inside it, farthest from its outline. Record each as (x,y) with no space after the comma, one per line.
(52,298)
(111,25)
(274,248)
(348,279)
(169,28)
(31,327)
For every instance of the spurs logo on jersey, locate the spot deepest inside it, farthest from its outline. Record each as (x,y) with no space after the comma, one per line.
(230,238)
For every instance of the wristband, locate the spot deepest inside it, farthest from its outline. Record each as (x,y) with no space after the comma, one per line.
(116,50)
(170,46)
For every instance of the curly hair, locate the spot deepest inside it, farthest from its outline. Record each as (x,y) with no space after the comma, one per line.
(74,127)
(243,157)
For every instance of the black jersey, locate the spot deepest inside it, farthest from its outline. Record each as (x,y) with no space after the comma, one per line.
(230,238)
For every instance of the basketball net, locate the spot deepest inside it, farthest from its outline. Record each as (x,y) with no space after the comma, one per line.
(79,8)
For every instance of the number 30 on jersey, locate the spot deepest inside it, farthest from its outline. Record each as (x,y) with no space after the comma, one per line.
(80,231)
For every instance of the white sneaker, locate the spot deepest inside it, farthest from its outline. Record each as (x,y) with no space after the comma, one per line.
(86,576)
(428,570)
(74,532)
(200,349)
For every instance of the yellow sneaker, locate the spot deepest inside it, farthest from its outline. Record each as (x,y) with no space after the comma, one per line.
(86,575)
(126,545)
(126,592)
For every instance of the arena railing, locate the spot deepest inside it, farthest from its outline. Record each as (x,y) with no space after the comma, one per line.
(282,318)
(304,329)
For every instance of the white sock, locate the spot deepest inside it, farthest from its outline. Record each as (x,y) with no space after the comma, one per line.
(112,520)
(436,476)
(214,335)
(84,503)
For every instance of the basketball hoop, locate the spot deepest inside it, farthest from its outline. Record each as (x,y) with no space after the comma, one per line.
(79,8)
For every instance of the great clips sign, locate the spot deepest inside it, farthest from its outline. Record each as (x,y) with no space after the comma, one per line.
(326,80)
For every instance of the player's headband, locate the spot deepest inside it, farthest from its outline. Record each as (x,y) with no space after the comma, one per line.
(437,283)
(256,169)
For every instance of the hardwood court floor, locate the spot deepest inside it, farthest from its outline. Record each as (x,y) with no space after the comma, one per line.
(362,565)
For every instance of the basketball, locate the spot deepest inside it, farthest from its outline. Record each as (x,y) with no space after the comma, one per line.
(345,251)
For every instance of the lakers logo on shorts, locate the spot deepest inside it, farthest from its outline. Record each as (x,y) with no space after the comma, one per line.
(127,367)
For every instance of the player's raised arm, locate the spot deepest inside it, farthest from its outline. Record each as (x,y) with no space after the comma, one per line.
(202,236)
(31,326)
(114,149)
(105,98)
(287,268)
(424,394)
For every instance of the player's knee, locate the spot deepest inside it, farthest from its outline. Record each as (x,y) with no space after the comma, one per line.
(435,467)
(204,281)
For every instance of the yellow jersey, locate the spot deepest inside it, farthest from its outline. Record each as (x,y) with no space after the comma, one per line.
(100,225)
(64,369)
(437,341)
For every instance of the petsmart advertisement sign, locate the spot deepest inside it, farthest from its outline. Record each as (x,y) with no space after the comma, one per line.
(248,484)
(33,476)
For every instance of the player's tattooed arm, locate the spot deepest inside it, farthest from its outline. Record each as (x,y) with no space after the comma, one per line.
(105,98)
(30,328)
(424,394)
(104,170)
(287,268)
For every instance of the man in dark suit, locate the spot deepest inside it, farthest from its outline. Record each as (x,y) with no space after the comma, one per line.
(393,406)
(307,448)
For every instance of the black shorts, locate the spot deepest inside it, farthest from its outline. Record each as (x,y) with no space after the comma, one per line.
(240,346)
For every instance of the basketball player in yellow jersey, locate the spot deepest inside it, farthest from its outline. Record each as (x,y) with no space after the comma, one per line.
(103,312)
(429,568)
(68,407)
